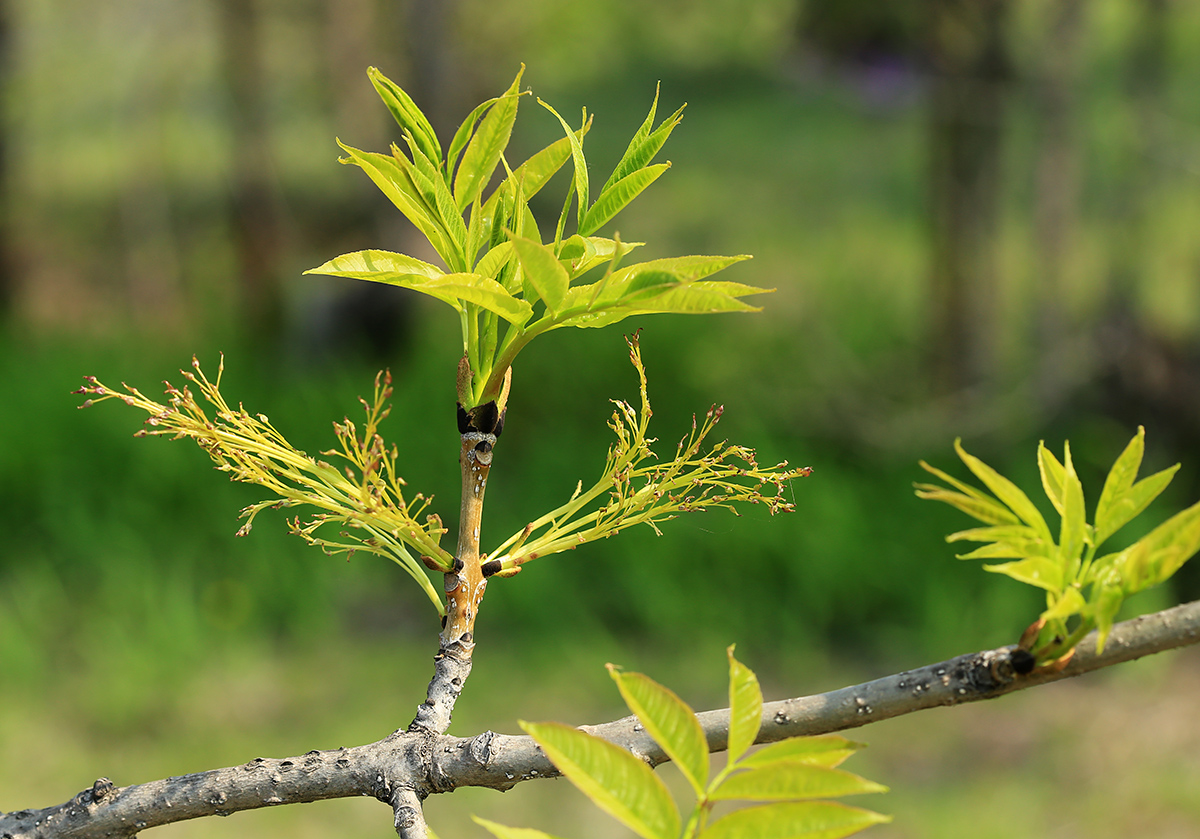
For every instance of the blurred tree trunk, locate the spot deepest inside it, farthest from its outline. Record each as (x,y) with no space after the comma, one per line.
(1056,194)
(970,74)
(254,202)
(8,279)
(1140,370)
(1146,86)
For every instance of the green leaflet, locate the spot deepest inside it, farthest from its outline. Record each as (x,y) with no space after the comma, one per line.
(440,203)
(494,260)
(1052,473)
(1121,499)
(370,264)
(616,781)
(616,197)
(398,186)
(1005,490)
(821,750)
(581,254)
(407,272)
(581,172)
(1073,531)
(1020,536)
(1071,603)
(644,286)
(985,509)
(542,270)
(781,781)
(633,173)
(1005,549)
(502,832)
(745,708)
(465,131)
(532,174)
(1035,570)
(1120,478)
(693,298)
(794,820)
(473,288)
(482,154)
(1108,601)
(407,114)
(669,720)
(1132,502)
(1165,548)
(644,145)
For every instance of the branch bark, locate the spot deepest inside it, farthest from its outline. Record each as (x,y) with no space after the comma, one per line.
(407,766)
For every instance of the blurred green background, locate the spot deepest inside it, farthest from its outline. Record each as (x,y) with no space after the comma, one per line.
(981,221)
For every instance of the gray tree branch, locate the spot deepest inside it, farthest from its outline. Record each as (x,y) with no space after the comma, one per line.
(408,766)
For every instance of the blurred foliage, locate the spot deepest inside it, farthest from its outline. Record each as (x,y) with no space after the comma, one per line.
(124,244)
(120,570)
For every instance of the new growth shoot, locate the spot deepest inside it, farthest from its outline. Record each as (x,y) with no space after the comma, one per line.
(509,283)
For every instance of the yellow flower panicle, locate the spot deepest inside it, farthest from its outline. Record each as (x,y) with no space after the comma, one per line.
(366,498)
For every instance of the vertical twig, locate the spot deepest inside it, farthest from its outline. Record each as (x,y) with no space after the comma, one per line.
(479,428)
(408,817)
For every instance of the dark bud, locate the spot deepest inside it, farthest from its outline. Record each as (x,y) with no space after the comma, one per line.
(101,788)
(483,447)
(1022,662)
(500,422)
(484,417)
(458,565)
(490,567)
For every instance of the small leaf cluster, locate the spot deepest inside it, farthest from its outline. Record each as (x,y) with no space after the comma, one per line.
(789,782)
(1084,587)
(366,496)
(636,488)
(507,279)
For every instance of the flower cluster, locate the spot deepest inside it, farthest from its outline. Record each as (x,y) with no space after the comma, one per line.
(366,497)
(637,489)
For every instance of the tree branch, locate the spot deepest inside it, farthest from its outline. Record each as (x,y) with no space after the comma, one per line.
(405,767)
